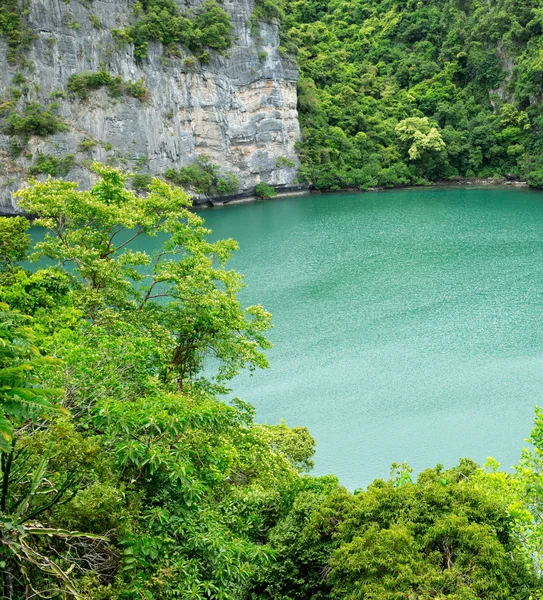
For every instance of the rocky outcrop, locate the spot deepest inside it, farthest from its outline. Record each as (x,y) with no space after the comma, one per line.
(239,110)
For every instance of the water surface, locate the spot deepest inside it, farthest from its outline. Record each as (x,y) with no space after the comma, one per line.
(407,324)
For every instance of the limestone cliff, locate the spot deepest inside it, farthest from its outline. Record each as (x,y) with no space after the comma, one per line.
(239,110)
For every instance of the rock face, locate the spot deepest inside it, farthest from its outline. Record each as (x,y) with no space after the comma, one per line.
(239,110)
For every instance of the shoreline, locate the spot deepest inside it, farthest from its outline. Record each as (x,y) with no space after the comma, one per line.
(249,197)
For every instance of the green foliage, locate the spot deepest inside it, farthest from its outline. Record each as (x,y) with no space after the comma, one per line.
(394,93)
(21,394)
(14,241)
(175,489)
(87,144)
(263,190)
(57,95)
(422,138)
(44,289)
(284,163)
(295,443)
(81,85)
(265,10)
(521,494)
(95,22)
(204,178)
(201,311)
(162,21)
(35,120)
(141,182)
(152,487)
(439,537)
(73,24)
(535,178)
(52,165)
(12,27)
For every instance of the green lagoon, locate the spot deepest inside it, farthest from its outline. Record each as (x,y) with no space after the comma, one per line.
(407,324)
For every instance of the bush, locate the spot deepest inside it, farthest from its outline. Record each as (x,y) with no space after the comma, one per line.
(35,120)
(87,144)
(265,10)
(162,21)
(52,165)
(141,182)
(535,178)
(284,163)
(204,178)
(81,85)
(263,190)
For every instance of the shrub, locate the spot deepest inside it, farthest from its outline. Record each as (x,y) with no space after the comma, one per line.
(266,10)
(204,178)
(81,85)
(284,163)
(52,165)
(263,190)
(57,95)
(87,144)
(162,21)
(141,182)
(35,120)
(137,89)
(535,178)
(95,22)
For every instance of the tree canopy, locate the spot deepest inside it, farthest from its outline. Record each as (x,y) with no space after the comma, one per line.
(465,75)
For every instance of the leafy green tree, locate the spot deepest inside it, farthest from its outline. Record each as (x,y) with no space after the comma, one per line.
(421,137)
(183,289)
(441,536)
(14,241)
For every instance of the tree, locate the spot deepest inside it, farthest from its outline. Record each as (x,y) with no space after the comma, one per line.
(182,289)
(422,137)
(14,241)
(441,536)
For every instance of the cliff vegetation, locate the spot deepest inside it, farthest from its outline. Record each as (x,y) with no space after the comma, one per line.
(151,86)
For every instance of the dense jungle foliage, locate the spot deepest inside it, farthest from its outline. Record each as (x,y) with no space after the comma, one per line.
(407,91)
(123,475)
(163,21)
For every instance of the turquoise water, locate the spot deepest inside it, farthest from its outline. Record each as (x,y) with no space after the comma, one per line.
(407,324)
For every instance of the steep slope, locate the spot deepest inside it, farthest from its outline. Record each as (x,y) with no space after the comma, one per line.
(395,92)
(76,88)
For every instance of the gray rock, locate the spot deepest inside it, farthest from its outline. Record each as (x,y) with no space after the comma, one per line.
(240,110)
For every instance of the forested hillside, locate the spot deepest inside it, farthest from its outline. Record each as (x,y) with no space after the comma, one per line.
(395,92)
